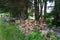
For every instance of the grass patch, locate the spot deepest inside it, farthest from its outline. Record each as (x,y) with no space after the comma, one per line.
(10,32)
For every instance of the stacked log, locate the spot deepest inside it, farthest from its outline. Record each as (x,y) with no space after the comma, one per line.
(28,26)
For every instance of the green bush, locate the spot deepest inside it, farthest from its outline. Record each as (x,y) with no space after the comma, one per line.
(10,32)
(58,38)
(49,21)
(35,36)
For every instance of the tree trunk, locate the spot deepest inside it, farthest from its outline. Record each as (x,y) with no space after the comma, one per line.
(57,12)
(24,12)
(41,6)
(45,8)
(26,9)
(36,10)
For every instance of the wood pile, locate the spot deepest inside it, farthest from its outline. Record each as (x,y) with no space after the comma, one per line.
(28,26)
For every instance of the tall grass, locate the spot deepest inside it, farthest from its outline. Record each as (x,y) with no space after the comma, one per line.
(10,32)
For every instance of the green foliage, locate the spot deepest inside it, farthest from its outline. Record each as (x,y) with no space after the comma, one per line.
(31,14)
(11,32)
(52,36)
(58,38)
(17,8)
(50,22)
(50,19)
(35,36)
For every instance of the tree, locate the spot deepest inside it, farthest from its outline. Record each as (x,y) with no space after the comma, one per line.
(41,7)
(36,9)
(45,7)
(15,7)
(41,3)
(57,12)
